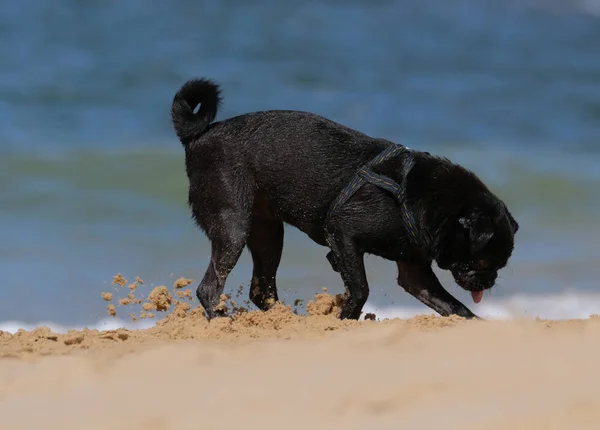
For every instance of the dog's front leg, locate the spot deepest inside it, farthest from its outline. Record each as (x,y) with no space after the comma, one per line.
(346,259)
(333,261)
(419,280)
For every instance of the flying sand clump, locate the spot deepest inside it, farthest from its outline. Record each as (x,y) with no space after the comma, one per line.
(112,311)
(181,283)
(160,299)
(325,304)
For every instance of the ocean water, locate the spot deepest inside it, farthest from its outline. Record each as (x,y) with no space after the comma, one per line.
(92,179)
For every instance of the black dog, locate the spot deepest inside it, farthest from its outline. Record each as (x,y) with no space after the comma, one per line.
(352,193)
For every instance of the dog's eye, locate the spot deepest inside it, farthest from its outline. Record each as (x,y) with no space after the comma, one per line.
(484,264)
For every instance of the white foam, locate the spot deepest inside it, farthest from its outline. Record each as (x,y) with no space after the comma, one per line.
(102,324)
(567,305)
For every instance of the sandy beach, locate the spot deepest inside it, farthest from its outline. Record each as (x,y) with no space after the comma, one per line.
(279,369)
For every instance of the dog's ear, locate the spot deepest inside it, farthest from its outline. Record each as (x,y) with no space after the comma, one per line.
(480,229)
(514,225)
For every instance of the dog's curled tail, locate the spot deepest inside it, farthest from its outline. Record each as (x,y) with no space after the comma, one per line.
(189,125)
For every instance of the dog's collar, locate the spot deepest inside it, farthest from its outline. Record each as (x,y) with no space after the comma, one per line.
(419,239)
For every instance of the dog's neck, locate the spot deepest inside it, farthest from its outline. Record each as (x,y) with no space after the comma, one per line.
(402,172)
(412,211)
(404,168)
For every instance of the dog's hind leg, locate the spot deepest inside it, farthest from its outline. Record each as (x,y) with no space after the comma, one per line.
(227,244)
(265,243)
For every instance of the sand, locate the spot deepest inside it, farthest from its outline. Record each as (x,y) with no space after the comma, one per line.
(282,370)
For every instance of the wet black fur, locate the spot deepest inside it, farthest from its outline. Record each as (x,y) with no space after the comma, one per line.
(250,174)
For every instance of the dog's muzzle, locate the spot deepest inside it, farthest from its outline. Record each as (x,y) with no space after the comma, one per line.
(476,281)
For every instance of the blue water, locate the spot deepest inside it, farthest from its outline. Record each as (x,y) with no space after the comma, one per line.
(91,173)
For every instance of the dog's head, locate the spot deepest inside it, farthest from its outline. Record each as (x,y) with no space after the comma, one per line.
(477,243)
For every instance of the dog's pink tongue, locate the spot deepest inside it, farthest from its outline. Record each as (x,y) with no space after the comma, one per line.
(477,296)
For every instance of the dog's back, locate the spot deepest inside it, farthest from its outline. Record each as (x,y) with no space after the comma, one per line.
(280,159)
